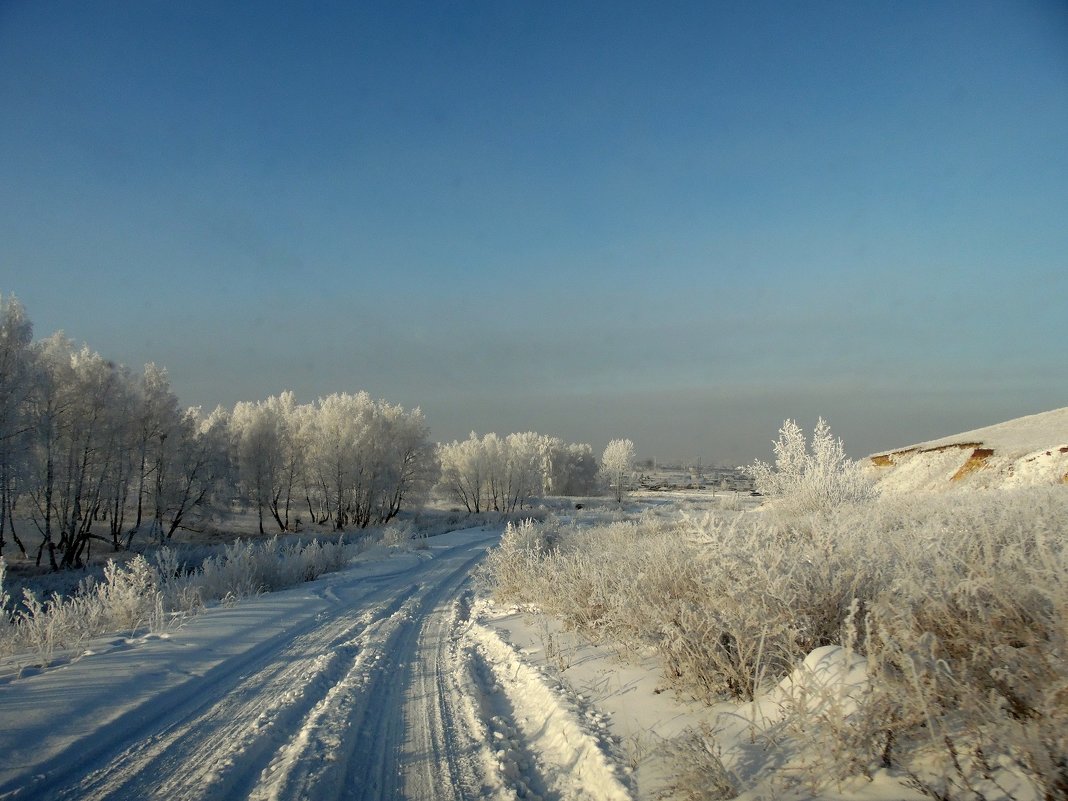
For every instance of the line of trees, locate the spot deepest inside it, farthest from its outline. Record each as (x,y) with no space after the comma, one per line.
(346,459)
(90,451)
(86,445)
(504,473)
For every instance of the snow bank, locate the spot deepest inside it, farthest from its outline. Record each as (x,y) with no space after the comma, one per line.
(525,706)
(1027,451)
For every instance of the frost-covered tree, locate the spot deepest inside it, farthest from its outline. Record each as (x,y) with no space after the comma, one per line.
(84,443)
(529,460)
(484,473)
(339,452)
(617,465)
(510,469)
(158,414)
(51,408)
(505,473)
(811,479)
(16,373)
(365,459)
(409,463)
(120,471)
(574,470)
(292,457)
(305,425)
(194,469)
(77,404)
(257,431)
(92,445)
(78,443)
(464,472)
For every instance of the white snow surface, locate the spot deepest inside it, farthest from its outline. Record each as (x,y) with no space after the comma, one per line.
(375,682)
(1027,451)
(1017,437)
(395,679)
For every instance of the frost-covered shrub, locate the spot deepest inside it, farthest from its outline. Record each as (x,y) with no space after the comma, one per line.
(130,596)
(698,772)
(968,649)
(245,568)
(516,568)
(127,598)
(958,604)
(397,534)
(727,601)
(139,595)
(807,479)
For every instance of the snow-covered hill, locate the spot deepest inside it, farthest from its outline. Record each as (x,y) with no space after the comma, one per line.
(1026,451)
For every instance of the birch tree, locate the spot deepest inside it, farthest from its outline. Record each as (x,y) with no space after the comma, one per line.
(257,435)
(194,467)
(617,465)
(16,374)
(464,472)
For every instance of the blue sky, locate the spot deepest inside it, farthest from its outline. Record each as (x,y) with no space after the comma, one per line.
(677,222)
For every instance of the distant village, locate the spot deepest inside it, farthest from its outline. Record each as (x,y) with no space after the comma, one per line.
(657,476)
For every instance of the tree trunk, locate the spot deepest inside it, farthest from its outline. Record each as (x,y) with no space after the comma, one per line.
(49,482)
(141,483)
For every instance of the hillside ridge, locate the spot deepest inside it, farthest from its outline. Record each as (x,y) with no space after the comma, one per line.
(1026,451)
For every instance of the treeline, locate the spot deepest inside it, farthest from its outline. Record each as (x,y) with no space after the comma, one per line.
(503,473)
(346,460)
(91,451)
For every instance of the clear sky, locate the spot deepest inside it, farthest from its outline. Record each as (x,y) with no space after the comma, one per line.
(677,222)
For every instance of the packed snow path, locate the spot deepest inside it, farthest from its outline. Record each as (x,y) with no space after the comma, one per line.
(371,683)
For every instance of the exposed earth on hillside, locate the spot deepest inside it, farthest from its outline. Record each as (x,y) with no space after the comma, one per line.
(1026,451)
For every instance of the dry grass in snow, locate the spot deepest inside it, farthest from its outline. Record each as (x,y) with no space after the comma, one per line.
(149,595)
(922,638)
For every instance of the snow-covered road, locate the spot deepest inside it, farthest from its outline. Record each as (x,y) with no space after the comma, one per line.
(371,683)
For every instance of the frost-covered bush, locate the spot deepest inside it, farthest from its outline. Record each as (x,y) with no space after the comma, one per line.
(139,595)
(968,651)
(246,568)
(808,479)
(516,566)
(130,595)
(698,772)
(961,617)
(726,601)
(397,534)
(128,598)
(957,602)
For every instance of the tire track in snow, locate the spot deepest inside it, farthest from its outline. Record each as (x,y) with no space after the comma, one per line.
(390,690)
(149,719)
(238,750)
(351,745)
(443,734)
(219,746)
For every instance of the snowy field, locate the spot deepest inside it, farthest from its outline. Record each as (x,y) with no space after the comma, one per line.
(393,678)
(843,641)
(410,673)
